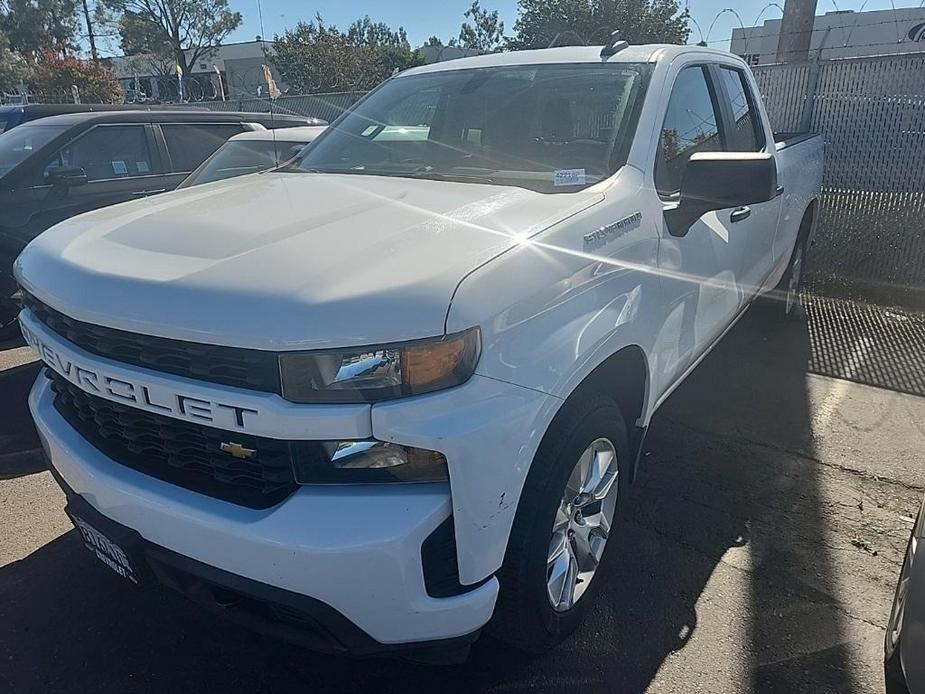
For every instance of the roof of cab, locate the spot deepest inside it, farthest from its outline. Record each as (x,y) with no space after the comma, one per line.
(564,54)
(298,134)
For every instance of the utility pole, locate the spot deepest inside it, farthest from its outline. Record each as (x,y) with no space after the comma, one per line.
(90,35)
(796,31)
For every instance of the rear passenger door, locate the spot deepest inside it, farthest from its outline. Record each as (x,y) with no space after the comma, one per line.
(187,145)
(120,161)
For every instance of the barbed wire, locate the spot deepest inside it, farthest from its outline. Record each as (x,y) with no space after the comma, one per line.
(815,29)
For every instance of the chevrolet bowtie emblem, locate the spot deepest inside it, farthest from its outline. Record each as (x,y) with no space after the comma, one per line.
(238,451)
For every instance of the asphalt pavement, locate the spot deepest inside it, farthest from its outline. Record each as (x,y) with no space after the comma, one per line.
(758,553)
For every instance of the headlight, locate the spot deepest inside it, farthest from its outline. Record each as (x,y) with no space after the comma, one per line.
(370,374)
(365,462)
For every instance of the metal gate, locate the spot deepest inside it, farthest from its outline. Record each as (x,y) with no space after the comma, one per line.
(871,112)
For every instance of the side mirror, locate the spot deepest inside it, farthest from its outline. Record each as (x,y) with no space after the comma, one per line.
(720,180)
(66,176)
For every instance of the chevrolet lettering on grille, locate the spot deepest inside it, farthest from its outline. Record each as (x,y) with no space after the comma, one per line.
(94,381)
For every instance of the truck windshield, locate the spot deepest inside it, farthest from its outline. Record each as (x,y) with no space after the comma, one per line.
(549,128)
(19,143)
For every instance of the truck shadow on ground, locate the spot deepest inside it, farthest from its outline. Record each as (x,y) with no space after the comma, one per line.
(712,500)
(19,442)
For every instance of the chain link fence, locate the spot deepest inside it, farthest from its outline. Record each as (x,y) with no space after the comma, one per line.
(870,245)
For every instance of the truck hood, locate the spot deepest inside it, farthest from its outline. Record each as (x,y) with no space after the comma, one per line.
(283,260)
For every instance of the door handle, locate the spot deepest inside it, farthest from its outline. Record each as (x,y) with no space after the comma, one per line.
(142,193)
(740,214)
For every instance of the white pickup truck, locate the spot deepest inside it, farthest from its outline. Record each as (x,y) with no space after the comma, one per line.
(396,390)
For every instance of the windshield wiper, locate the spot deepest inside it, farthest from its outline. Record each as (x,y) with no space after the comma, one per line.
(415,173)
(443,176)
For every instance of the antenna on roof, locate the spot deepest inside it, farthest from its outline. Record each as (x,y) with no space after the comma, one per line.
(614,45)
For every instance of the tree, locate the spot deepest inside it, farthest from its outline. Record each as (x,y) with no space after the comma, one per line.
(315,57)
(55,74)
(580,22)
(182,30)
(390,47)
(13,69)
(34,26)
(485,32)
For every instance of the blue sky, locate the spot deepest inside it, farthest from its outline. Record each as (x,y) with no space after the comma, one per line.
(443,17)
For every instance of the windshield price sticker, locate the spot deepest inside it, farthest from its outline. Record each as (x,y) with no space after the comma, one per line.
(569,177)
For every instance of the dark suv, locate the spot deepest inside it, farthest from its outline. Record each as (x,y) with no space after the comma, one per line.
(61,166)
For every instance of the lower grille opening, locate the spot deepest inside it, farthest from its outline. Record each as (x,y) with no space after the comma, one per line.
(182,453)
(440,565)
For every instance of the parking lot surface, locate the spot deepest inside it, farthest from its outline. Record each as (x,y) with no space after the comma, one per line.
(759,551)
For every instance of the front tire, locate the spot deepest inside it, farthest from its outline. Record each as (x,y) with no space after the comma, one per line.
(567,513)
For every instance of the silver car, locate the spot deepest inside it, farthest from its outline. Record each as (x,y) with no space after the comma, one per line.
(905,632)
(253,151)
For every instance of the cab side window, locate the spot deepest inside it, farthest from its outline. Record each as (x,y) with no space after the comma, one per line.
(746,134)
(190,144)
(691,125)
(107,152)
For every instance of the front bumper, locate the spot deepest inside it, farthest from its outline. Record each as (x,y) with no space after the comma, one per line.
(353,549)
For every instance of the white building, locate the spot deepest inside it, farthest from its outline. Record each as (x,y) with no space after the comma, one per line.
(840,34)
(239,64)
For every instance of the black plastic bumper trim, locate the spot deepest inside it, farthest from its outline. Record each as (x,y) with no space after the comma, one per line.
(273,611)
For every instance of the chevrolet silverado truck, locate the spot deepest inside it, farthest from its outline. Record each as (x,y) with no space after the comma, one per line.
(395,391)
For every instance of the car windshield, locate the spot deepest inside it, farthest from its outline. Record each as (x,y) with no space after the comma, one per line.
(3,124)
(19,143)
(243,157)
(549,128)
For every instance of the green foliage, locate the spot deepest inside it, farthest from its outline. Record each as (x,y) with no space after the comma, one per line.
(580,22)
(179,30)
(56,75)
(33,26)
(485,32)
(315,57)
(12,67)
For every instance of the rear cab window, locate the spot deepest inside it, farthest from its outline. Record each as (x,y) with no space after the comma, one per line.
(746,134)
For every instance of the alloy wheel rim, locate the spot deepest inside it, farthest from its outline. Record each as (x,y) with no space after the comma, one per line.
(582,524)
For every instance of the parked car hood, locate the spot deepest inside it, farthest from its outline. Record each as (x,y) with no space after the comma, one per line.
(284,260)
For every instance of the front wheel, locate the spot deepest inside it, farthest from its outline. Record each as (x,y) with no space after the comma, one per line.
(561,533)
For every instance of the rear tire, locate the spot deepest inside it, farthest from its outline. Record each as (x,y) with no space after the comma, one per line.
(560,537)
(791,286)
